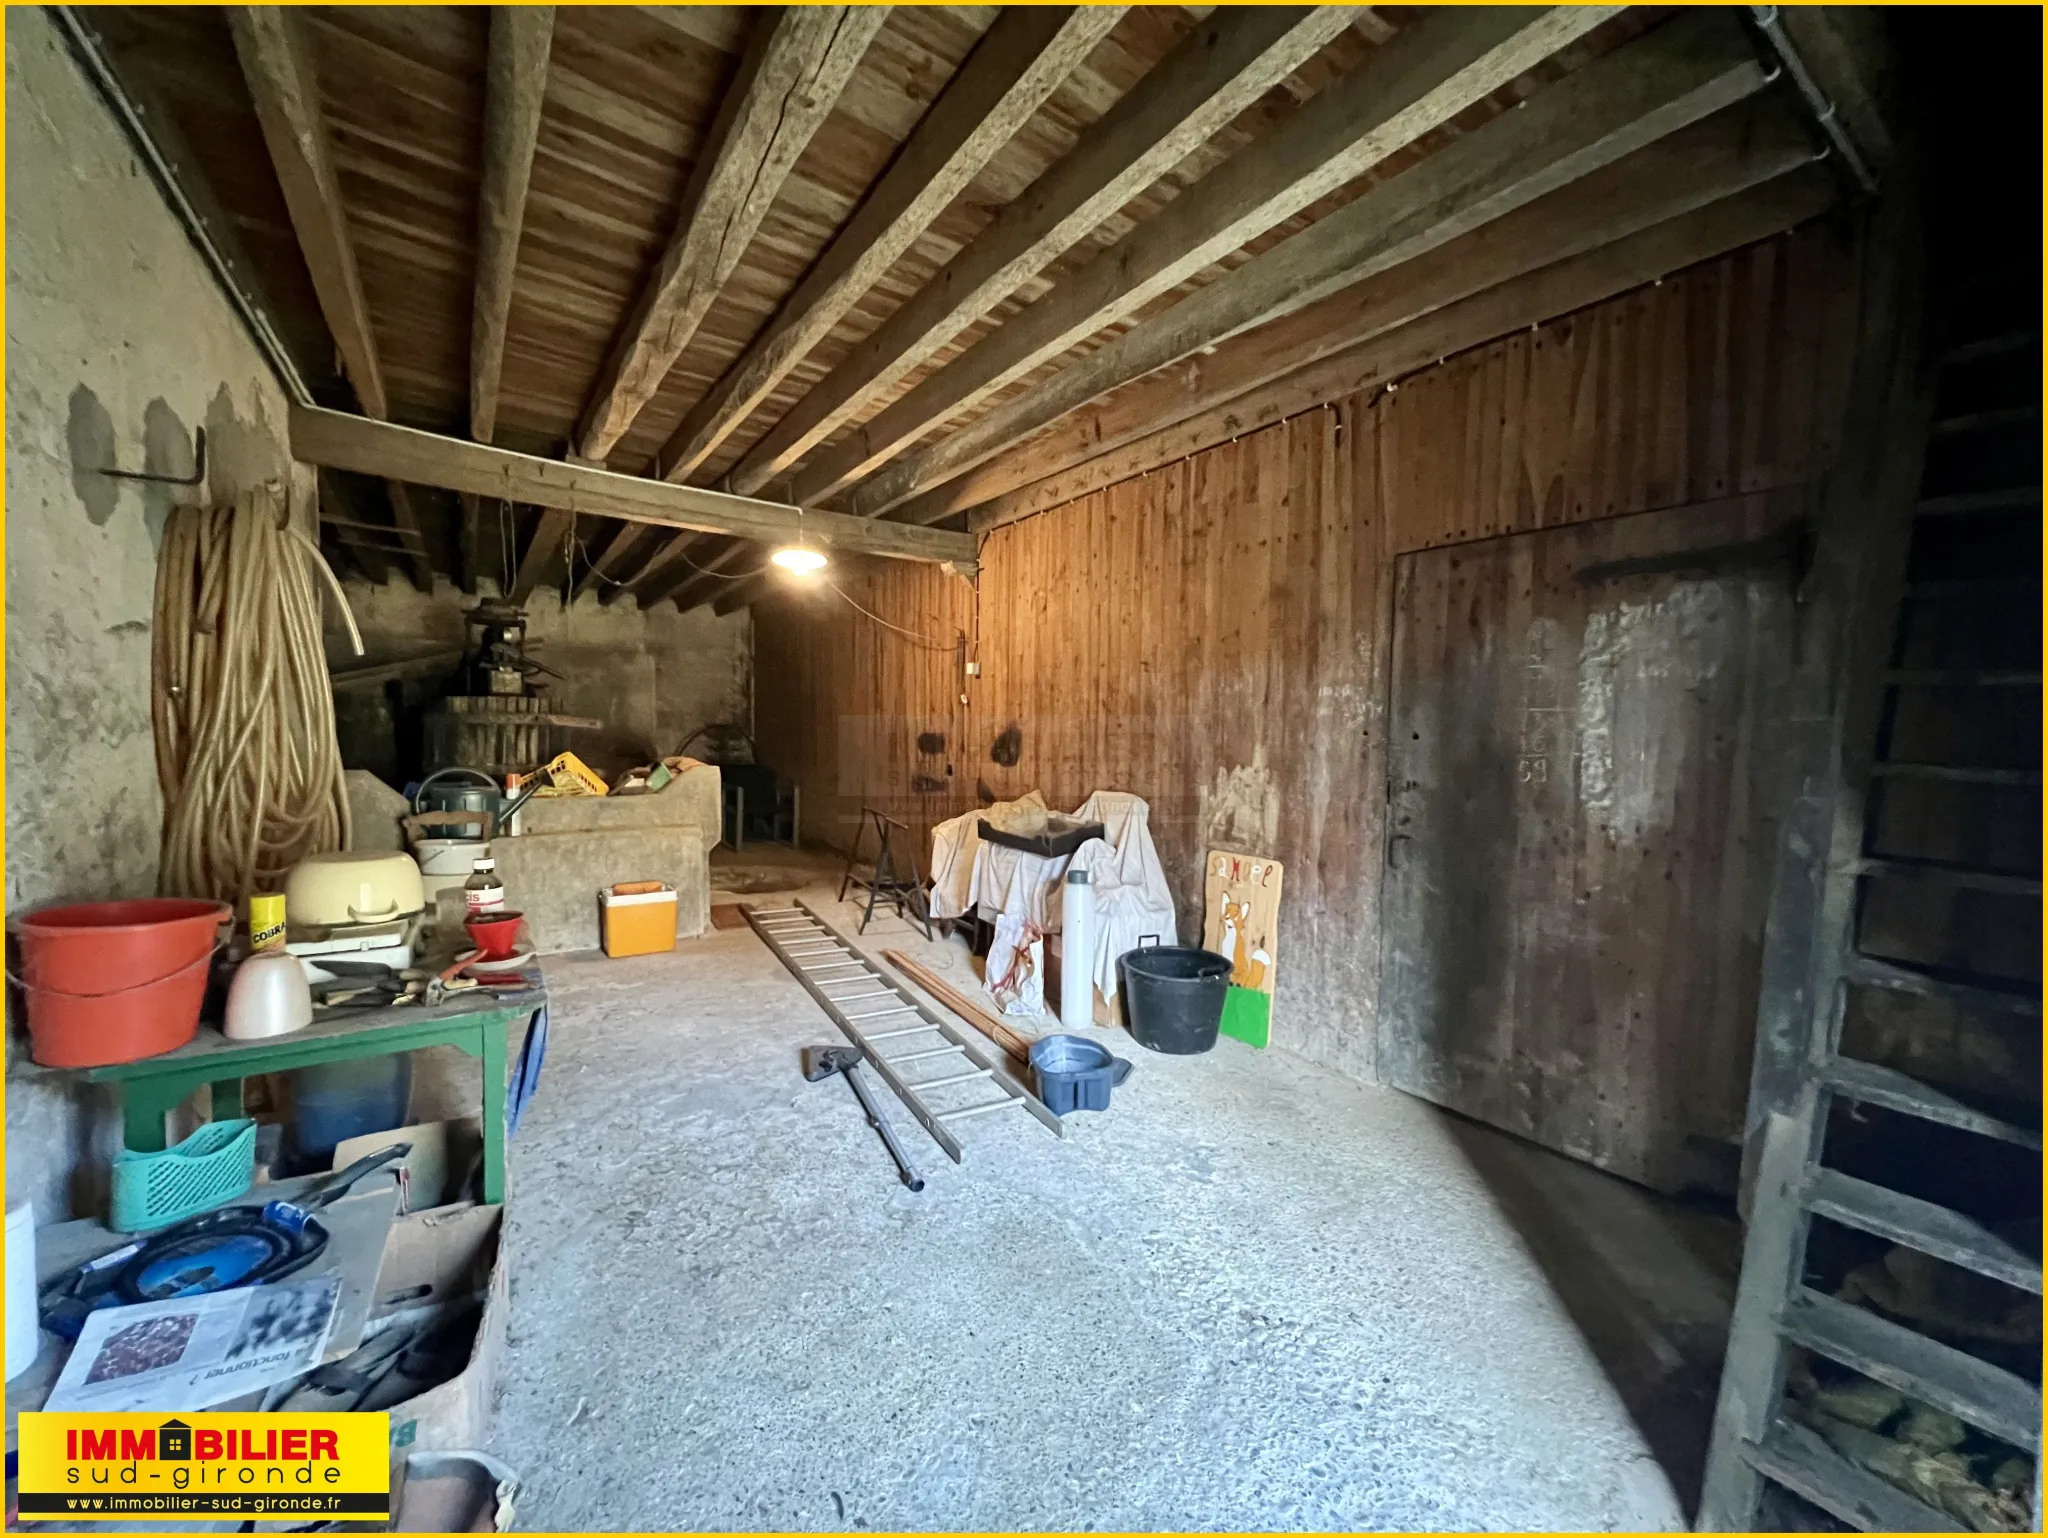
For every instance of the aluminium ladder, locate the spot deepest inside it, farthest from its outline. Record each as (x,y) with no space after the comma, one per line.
(885,1013)
(1775,1311)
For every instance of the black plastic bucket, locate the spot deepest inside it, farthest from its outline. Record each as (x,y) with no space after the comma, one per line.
(1173,996)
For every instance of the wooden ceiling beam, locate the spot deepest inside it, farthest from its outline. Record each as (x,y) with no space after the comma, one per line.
(798,59)
(542,552)
(1684,70)
(1018,63)
(1203,418)
(340,441)
(1428,74)
(1221,68)
(277,61)
(515,86)
(1709,163)
(276,56)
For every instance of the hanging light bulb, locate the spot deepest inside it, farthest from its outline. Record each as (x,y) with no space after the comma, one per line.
(799,558)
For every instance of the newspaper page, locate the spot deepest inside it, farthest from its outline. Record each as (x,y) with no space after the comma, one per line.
(189,1353)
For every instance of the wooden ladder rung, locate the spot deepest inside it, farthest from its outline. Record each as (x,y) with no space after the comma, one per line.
(1968,774)
(2002,345)
(1922,1225)
(1797,1458)
(1988,1397)
(1872,973)
(1962,678)
(1895,1091)
(1976,589)
(1948,874)
(1984,421)
(2002,499)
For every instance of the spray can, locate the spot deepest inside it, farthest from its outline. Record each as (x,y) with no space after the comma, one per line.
(266,921)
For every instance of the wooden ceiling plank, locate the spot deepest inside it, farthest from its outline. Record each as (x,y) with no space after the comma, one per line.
(796,64)
(1017,64)
(276,55)
(1216,72)
(1204,419)
(341,441)
(515,86)
(1682,71)
(1712,161)
(1427,75)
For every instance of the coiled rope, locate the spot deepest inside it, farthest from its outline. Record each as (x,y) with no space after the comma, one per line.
(241,705)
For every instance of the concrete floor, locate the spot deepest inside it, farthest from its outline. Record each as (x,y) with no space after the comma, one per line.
(1252,1294)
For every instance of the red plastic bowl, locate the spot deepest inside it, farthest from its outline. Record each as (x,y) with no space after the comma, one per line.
(496,936)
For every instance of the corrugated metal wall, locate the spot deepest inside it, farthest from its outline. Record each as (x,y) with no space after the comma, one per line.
(1214,636)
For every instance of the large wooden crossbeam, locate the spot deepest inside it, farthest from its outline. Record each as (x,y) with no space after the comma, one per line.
(336,440)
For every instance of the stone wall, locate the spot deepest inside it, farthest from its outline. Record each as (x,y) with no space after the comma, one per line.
(119,345)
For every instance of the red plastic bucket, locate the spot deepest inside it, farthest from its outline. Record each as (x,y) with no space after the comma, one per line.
(113,982)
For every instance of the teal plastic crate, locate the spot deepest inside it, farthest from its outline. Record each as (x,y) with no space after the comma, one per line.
(215,1164)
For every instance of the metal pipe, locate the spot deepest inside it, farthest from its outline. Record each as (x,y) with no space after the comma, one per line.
(85,47)
(880,1123)
(1822,104)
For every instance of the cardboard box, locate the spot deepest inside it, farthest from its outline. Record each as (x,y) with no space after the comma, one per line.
(439,1260)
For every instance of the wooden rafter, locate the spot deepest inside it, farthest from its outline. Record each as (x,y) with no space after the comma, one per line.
(1202,420)
(276,56)
(1677,74)
(1429,73)
(541,552)
(1252,385)
(798,60)
(1017,64)
(1216,72)
(1586,234)
(340,441)
(515,84)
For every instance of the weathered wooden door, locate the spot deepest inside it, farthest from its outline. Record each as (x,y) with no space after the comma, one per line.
(1585,791)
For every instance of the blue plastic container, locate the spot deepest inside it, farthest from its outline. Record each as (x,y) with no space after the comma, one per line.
(1075,1074)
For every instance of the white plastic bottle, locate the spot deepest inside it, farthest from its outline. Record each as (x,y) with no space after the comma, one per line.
(1077,952)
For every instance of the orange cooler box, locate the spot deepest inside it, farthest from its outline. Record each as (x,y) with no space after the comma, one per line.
(638,923)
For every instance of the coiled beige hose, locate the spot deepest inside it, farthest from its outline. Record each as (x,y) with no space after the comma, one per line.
(242,709)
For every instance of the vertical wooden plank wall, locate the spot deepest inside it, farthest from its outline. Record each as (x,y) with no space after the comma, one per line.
(1213,636)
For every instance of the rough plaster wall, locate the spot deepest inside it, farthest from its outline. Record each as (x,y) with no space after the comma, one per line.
(653,676)
(118,346)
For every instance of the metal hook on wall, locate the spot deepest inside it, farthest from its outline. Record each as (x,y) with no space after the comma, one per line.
(197,476)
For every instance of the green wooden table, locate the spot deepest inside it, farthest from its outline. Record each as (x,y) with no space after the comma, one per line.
(477,1024)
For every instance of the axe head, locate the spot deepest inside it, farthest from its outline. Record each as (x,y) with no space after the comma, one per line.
(823,1062)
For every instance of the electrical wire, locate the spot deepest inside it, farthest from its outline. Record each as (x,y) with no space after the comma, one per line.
(241,707)
(921,640)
